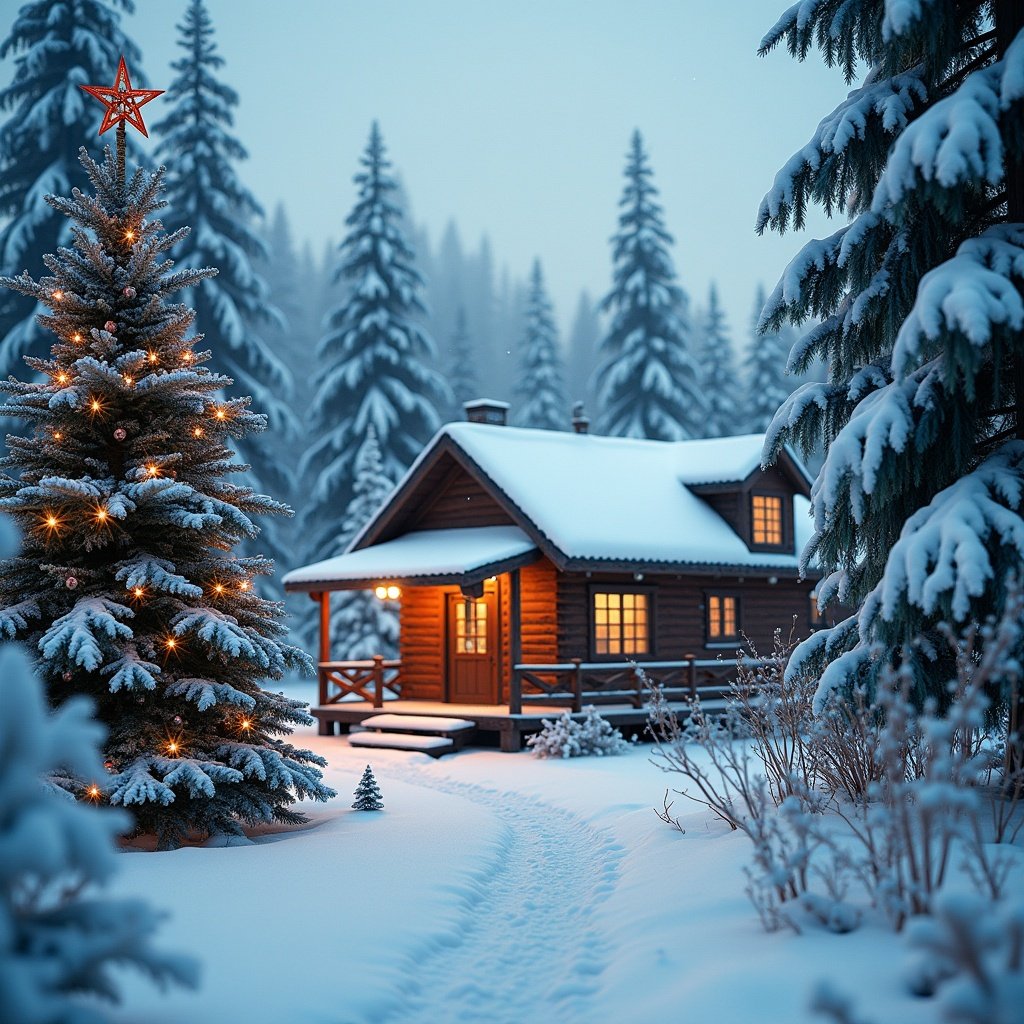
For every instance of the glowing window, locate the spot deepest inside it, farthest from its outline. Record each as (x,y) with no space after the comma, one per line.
(723,622)
(767,519)
(621,623)
(471,627)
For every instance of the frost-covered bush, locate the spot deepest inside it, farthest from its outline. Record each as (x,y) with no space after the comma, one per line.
(60,940)
(569,737)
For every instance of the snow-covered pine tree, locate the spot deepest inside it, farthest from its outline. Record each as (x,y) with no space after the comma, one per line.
(462,366)
(767,385)
(918,506)
(127,585)
(362,625)
(719,380)
(648,383)
(374,356)
(57,944)
(205,193)
(540,388)
(584,338)
(57,45)
(367,793)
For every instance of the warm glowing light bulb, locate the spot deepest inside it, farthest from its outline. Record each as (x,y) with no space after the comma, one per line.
(381,592)
(170,643)
(129,235)
(94,792)
(152,470)
(246,724)
(218,588)
(244,585)
(198,432)
(172,746)
(57,435)
(58,295)
(101,515)
(186,357)
(52,521)
(128,380)
(138,591)
(95,405)
(62,378)
(394,593)
(152,357)
(76,336)
(220,414)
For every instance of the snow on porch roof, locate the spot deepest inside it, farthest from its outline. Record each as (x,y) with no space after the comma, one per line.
(463,555)
(623,500)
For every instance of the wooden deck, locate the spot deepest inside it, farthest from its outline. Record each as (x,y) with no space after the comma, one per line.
(495,724)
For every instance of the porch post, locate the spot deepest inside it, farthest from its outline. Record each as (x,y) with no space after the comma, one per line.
(515,646)
(325,641)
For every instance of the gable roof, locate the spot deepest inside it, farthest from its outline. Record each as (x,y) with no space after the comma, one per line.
(594,502)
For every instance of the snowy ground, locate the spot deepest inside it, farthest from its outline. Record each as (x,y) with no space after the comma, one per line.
(494,888)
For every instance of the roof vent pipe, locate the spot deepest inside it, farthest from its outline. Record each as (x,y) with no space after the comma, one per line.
(580,420)
(487,410)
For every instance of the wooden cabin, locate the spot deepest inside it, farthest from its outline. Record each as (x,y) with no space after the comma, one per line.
(537,567)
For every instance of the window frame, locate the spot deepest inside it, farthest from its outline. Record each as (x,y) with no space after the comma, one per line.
(730,641)
(620,588)
(785,512)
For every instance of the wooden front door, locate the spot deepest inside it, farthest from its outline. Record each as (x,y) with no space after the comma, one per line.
(473,649)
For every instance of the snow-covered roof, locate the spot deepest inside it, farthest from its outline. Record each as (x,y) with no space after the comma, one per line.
(622,500)
(468,554)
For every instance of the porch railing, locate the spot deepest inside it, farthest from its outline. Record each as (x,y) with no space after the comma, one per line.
(366,680)
(576,682)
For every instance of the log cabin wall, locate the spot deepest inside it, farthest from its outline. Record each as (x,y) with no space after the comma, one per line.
(421,643)
(539,612)
(678,615)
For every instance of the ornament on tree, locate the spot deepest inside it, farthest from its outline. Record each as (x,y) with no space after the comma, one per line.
(177,719)
(110,327)
(120,434)
(71,582)
(129,292)
(66,676)
(367,793)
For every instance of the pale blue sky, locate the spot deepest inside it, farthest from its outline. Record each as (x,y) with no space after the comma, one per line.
(514,118)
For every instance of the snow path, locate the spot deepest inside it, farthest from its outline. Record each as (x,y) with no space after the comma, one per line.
(526,945)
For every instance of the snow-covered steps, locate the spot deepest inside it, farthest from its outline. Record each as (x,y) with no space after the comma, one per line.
(431,734)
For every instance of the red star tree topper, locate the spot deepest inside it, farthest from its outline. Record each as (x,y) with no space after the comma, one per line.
(122,101)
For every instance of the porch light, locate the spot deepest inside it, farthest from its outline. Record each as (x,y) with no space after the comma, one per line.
(394,593)
(381,592)
(391,593)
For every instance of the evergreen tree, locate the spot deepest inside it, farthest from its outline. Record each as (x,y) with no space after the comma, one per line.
(127,585)
(462,375)
(918,505)
(722,389)
(374,355)
(57,944)
(59,45)
(363,625)
(367,793)
(648,384)
(205,193)
(583,342)
(767,385)
(541,385)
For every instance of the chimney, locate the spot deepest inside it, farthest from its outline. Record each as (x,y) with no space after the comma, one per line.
(580,420)
(487,410)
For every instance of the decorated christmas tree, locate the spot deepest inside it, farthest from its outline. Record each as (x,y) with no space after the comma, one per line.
(127,585)
(61,940)
(917,311)
(367,793)
(648,383)
(376,357)
(541,384)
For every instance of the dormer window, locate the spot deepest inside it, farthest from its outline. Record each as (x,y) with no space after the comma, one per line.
(766,519)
